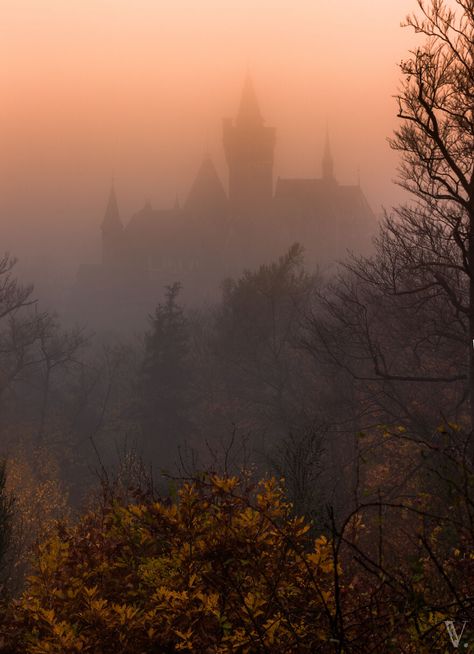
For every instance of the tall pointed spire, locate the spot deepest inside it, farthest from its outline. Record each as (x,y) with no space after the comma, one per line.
(112,214)
(112,231)
(249,111)
(328,162)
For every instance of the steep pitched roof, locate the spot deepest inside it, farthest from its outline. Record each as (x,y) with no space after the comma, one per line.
(298,189)
(207,193)
(319,196)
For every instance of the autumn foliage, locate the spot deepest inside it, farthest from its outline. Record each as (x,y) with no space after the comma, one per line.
(225,568)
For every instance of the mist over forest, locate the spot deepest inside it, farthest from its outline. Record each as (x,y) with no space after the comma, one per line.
(237,328)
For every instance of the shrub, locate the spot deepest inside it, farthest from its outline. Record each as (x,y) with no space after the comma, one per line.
(226,568)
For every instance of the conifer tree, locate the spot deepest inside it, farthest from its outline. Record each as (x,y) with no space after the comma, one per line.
(165,381)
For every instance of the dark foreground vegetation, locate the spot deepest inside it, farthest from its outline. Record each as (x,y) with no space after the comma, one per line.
(291,470)
(227,567)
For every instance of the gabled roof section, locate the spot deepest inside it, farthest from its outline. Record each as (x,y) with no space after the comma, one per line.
(311,194)
(297,188)
(144,216)
(207,193)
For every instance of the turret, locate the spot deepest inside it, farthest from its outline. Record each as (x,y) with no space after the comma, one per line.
(112,231)
(328,162)
(249,148)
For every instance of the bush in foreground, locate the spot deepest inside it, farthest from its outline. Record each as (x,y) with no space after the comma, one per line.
(224,569)
(228,568)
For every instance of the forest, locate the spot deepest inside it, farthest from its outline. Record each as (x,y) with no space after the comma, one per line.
(289,469)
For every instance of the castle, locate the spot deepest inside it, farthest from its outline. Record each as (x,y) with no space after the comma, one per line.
(217,233)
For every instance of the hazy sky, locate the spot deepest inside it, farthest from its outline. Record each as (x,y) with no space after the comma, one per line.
(138,88)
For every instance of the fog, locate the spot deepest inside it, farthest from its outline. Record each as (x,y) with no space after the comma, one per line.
(232,419)
(97,89)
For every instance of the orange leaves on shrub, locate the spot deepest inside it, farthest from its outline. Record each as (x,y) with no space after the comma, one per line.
(225,569)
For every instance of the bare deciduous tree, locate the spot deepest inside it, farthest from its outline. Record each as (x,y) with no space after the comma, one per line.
(401,322)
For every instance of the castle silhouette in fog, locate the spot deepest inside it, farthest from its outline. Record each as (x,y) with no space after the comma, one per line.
(217,233)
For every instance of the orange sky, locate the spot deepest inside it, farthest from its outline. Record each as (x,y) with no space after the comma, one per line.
(139,87)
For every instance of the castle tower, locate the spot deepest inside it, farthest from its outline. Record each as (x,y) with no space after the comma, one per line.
(328,161)
(249,147)
(112,231)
